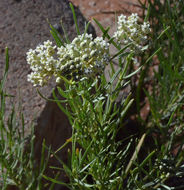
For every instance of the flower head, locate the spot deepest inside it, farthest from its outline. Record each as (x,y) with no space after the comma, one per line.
(84,57)
(42,63)
(130,31)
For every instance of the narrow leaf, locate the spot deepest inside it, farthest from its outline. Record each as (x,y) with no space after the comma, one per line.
(75,19)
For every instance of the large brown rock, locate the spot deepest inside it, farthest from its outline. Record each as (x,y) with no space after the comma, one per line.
(23,25)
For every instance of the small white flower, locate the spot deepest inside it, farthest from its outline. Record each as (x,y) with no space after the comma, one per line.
(77,66)
(92,53)
(91,44)
(58,80)
(82,44)
(84,57)
(71,67)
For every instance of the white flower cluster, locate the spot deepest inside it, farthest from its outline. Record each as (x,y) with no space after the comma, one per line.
(42,63)
(84,57)
(130,31)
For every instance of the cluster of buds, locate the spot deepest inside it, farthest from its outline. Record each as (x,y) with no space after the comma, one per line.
(130,31)
(84,57)
(42,63)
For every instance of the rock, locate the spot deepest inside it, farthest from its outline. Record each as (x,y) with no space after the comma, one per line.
(25,26)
